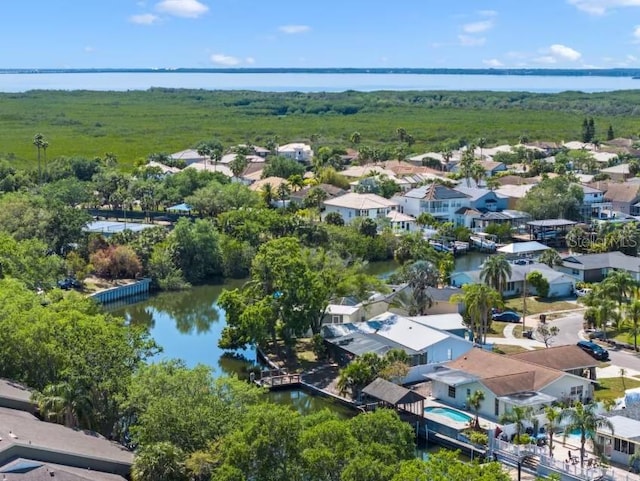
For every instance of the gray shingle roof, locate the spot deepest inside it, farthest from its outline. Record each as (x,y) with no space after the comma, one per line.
(391,393)
(616,260)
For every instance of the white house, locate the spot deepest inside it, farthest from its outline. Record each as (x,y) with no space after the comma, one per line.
(352,206)
(349,309)
(296,151)
(560,284)
(401,223)
(189,156)
(425,345)
(505,382)
(435,199)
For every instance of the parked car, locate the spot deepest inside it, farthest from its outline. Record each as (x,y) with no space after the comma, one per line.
(69,283)
(582,292)
(506,316)
(594,350)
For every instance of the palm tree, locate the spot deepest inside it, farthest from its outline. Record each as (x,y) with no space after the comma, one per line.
(204,151)
(518,415)
(582,418)
(268,194)
(216,154)
(618,285)
(475,401)
(45,146)
(551,258)
(425,219)
(296,181)
(478,300)
(420,277)
(482,143)
(65,402)
(554,416)
(477,173)
(605,312)
(354,377)
(283,192)
(447,155)
(238,165)
(633,311)
(38,139)
(496,272)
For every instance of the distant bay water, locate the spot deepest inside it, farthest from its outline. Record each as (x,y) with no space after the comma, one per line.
(310,82)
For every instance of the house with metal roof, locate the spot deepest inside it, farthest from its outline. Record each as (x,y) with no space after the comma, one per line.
(621,444)
(506,382)
(595,267)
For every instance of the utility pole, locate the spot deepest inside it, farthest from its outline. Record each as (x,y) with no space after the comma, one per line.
(524,302)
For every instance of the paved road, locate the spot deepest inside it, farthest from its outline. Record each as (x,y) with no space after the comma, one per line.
(571,325)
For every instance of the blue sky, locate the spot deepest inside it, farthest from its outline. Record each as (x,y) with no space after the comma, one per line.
(320,33)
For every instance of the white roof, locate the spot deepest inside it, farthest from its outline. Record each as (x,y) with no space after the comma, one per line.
(361,201)
(523,247)
(514,191)
(366,170)
(575,145)
(623,427)
(339,309)
(294,146)
(189,154)
(228,158)
(210,167)
(617,169)
(396,216)
(446,322)
(604,156)
(403,330)
(164,168)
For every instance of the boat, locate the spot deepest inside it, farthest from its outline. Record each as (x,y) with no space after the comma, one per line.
(484,241)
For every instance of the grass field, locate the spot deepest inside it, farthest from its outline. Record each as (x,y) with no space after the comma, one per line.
(134,124)
(537,306)
(613,388)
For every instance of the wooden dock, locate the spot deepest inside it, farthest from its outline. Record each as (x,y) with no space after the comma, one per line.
(278,380)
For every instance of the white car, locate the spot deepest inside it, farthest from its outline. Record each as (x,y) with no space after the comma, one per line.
(582,292)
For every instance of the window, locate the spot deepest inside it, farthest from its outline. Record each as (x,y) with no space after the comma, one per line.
(496,407)
(452,391)
(468,392)
(576,391)
(336,319)
(623,446)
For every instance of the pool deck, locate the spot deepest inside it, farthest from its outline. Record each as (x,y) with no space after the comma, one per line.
(460,426)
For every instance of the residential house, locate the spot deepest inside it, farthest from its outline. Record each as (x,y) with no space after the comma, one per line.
(345,310)
(207,166)
(593,203)
(595,267)
(228,158)
(624,442)
(481,201)
(618,173)
(296,151)
(401,223)
(438,200)
(423,344)
(25,436)
(517,180)
(330,192)
(560,284)
(352,206)
(164,169)
(570,359)
(189,156)
(491,167)
(622,196)
(513,193)
(452,323)
(506,382)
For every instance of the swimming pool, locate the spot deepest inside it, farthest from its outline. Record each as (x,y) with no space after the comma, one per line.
(449,413)
(575,435)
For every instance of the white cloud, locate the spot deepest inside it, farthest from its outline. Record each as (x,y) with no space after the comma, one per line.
(468,41)
(249,60)
(563,52)
(636,33)
(182,8)
(144,19)
(546,59)
(493,62)
(226,60)
(487,13)
(293,29)
(600,7)
(478,27)
(632,58)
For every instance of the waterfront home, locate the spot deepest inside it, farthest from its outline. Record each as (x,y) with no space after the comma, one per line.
(423,344)
(401,223)
(438,200)
(595,267)
(296,151)
(560,284)
(570,359)
(353,206)
(624,442)
(513,193)
(349,309)
(506,382)
(38,442)
(593,203)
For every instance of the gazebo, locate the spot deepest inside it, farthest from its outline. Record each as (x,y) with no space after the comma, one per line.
(398,397)
(523,248)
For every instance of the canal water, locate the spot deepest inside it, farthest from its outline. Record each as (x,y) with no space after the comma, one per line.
(188,324)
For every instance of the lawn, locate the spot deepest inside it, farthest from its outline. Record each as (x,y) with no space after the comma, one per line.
(538,306)
(613,388)
(497,329)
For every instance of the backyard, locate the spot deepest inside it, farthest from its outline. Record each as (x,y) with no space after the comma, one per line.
(614,387)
